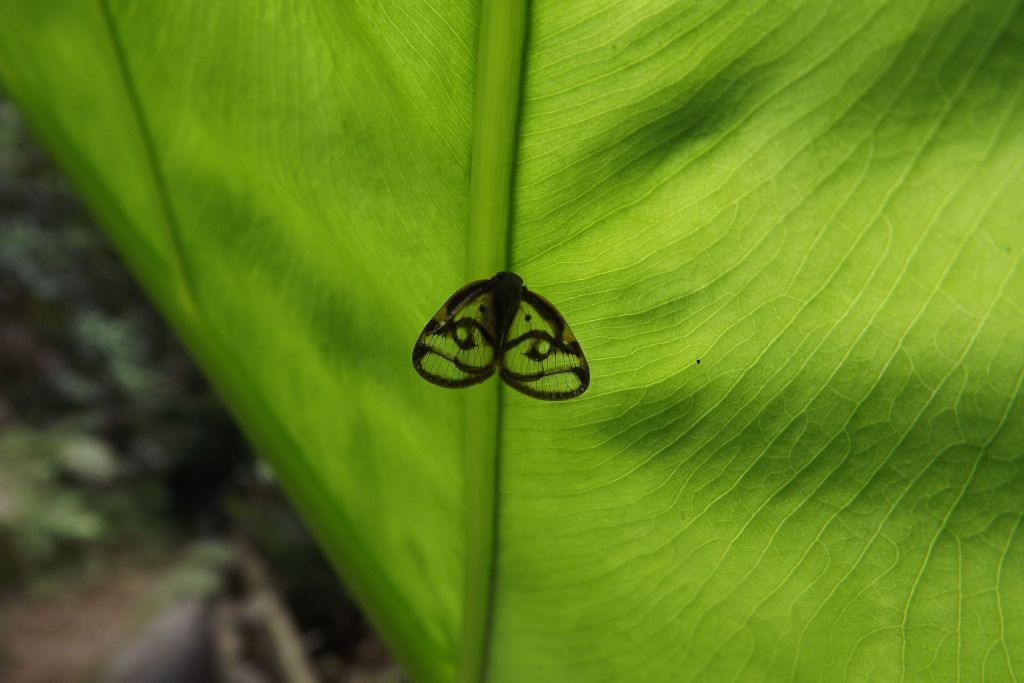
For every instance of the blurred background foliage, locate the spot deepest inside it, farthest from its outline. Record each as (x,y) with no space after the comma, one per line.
(127,497)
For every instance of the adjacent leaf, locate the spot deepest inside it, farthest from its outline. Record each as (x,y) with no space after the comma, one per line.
(288,182)
(820,201)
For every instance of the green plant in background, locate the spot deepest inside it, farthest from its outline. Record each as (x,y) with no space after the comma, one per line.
(819,200)
(47,515)
(59,501)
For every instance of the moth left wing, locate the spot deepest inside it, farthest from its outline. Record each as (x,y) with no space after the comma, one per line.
(458,347)
(540,356)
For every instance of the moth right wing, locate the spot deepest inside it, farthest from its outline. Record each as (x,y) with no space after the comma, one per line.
(540,356)
(458,347)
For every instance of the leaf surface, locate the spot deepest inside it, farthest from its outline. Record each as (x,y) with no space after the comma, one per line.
(820,201)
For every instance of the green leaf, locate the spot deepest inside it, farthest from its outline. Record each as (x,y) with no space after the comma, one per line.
(820,201)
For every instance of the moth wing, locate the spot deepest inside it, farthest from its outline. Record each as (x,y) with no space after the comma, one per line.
(540,356)
(458,347)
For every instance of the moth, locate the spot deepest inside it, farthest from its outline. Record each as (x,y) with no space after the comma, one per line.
(498,325)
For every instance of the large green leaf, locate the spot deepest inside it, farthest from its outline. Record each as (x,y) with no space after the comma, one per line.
(821,201)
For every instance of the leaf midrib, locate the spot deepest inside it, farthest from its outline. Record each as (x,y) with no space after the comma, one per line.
(495,119)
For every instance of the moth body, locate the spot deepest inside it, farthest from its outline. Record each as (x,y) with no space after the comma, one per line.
(508,292)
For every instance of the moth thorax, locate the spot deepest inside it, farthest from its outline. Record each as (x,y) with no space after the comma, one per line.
(508,291)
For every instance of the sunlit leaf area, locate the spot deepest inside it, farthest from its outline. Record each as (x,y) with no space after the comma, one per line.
(788,237)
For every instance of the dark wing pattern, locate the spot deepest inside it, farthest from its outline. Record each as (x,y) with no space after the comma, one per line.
(540,356)
(458,347)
